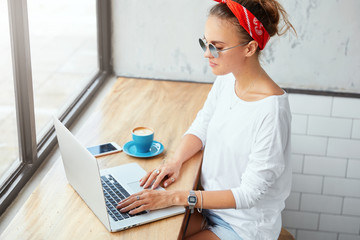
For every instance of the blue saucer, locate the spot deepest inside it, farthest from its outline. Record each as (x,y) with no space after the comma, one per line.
(155,149)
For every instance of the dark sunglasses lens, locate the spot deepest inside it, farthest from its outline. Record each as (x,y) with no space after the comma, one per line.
(202,44)
(213,50)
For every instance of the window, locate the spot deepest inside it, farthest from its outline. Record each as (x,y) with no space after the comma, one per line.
(63,54)
(8,138)
(55,56)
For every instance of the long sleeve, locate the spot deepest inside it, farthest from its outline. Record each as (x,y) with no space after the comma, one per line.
(266,159)
(248,151)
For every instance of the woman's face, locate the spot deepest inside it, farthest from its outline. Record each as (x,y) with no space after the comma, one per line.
(223,34)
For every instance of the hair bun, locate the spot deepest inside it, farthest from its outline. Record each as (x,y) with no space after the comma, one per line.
(273,13)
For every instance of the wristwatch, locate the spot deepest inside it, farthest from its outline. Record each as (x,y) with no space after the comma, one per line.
(192,200)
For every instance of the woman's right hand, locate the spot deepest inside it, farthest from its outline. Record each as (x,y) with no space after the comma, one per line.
(169,172)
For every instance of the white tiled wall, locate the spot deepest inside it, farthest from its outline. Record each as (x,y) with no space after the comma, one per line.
(325,198)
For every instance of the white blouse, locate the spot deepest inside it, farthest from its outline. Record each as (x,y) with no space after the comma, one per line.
(247,150)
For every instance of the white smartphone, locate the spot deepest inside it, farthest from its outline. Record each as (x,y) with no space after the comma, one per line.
(104,149)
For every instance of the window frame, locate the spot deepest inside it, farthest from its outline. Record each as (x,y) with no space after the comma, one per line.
(31,153)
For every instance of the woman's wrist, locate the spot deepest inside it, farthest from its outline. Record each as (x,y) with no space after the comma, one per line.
(179,198)
(176,164)
(175,160)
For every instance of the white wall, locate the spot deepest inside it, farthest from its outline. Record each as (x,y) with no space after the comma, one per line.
(325,198)
(158,39)
(325,54)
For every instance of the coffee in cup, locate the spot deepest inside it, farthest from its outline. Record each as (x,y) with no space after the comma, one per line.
(143,138)
(142,131)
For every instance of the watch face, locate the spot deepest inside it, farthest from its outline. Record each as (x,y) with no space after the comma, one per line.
(192,199)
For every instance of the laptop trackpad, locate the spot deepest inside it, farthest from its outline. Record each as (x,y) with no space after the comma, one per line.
(135,187)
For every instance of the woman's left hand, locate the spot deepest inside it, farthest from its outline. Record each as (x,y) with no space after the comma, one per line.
(146,200)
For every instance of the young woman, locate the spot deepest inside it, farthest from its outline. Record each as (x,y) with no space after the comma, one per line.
(244,128)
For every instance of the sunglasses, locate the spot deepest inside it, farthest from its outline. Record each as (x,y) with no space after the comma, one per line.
(213,50)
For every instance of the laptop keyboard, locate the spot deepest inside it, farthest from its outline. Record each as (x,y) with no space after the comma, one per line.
(114,193)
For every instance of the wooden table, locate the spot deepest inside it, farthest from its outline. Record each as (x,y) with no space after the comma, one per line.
(55,211)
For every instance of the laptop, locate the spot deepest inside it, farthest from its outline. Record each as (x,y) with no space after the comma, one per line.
(102,190)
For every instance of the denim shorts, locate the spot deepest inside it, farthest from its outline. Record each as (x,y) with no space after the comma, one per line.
(218,226)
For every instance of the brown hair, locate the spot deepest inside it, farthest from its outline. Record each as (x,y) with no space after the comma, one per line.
(268,12)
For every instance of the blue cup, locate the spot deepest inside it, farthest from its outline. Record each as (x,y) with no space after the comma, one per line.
(143,138)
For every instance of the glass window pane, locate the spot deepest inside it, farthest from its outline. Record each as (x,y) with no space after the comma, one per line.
(8,126)
(63,43)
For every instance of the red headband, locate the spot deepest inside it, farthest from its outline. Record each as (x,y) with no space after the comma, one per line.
(249,22)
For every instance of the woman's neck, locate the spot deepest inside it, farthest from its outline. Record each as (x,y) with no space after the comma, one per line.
(250,71)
